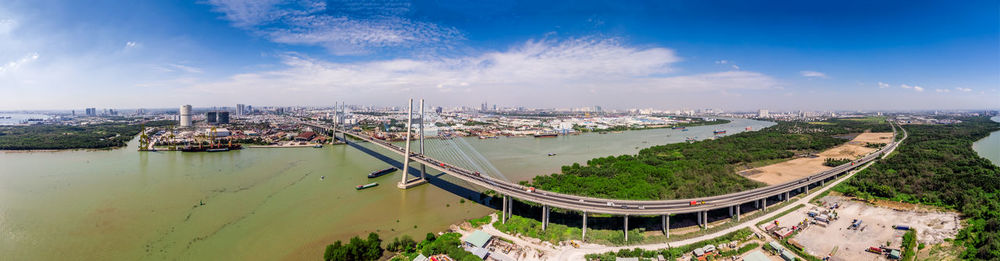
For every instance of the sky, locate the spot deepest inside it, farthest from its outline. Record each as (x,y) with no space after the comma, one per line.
(730,55)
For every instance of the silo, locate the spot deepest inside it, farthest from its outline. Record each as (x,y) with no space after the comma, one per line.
(186,116)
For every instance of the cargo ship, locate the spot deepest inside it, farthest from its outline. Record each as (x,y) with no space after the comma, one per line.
(378,173)
(369,185)
(719,132)
(546,135)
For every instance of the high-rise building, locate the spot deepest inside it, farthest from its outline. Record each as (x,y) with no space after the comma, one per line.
(211,117)
(762,113)
(438,109)
(222,117)
(241,109)
(185,116)
(91,112)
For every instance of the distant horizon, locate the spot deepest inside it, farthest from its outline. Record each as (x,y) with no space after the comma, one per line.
(730,55)
(403,106)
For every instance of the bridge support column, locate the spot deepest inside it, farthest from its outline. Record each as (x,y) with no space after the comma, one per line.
(626,228)
(666,224)
(545,217)
(786,196)
(737,212)
(806,188)
(704,215)
(764,203)
(756,204)
(584,236)
(503,211)
(822,183)
(699,219)
(730,211)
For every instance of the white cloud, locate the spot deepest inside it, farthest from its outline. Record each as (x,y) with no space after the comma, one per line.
(904,86)
(813,74)
(7,25)
(883,85)
(350,28)
(129,44)
(941,90)
(185,68)
(13,65)
(918,88)
(963,89)
(533,73)
(721,62)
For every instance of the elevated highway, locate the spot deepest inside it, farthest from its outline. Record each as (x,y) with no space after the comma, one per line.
(626,208)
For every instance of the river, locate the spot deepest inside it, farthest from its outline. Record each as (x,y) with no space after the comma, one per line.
(262,204)
(989,147)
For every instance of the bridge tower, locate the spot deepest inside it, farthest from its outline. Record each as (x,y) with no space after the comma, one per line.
(404,183)
(423,167)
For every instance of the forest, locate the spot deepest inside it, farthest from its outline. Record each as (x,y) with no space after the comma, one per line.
(937,166)
(702,168)
(54,137)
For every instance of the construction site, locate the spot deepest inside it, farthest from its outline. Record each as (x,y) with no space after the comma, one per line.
(839,228)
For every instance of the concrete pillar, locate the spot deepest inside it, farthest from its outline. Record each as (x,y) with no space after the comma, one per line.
(704,215)
(666,225)
(406,153)
(806,188)
(764,202)
(545,217)
(699,218)
(503,211)
(584,237)
(423,168)
(756,204)
(626,228)
(786,196)
(737,213)
(822,183)
(730,211)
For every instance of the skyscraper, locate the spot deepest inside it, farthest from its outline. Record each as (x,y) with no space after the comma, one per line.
(185,116)
(241,109)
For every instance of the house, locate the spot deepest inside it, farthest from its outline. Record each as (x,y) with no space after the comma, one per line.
(420,257)
(478,239)
(305,136)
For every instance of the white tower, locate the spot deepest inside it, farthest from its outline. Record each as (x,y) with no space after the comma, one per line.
(186,116)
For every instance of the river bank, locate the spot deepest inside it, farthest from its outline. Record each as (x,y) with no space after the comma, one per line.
(121,204)
(989,147)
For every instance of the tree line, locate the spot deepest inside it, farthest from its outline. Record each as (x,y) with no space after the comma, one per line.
(54,137)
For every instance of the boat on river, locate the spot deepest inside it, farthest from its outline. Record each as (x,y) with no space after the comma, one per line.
(381,172)
(369,185)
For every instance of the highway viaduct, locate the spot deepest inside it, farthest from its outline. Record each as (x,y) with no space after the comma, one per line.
(625,208)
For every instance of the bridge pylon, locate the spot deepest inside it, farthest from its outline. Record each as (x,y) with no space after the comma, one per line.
(404,182)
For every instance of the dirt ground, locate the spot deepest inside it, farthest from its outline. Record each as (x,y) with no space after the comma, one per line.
(802,167)
(877,222)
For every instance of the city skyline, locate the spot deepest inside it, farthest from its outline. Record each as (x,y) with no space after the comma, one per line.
(782,57)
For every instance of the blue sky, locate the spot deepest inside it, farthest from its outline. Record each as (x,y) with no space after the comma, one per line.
(733,55)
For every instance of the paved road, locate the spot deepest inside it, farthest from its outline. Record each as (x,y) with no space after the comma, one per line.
(615,206)
(570,253)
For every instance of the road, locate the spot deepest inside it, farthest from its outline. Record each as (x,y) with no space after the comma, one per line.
(616,206)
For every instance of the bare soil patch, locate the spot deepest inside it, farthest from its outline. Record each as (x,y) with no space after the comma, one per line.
(802,167)
(875,231)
